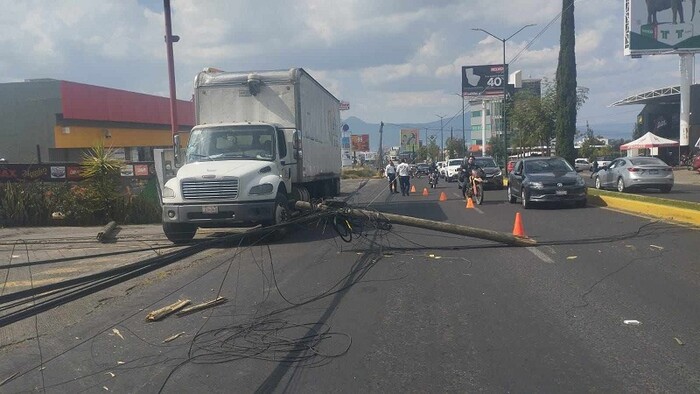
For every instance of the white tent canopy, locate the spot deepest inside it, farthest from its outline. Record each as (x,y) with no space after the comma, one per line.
(649,140)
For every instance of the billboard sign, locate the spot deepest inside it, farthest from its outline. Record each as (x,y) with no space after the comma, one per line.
(485,80)
(409,140)
(360,142)
(654,27)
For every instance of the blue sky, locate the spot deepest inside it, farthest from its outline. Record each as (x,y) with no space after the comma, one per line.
(396,61)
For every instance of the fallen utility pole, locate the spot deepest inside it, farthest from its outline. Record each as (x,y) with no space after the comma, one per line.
(473,232)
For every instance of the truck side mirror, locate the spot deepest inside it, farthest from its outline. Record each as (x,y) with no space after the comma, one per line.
(296,140)
(176,149)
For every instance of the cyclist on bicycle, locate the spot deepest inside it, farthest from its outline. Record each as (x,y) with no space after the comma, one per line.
(465,171)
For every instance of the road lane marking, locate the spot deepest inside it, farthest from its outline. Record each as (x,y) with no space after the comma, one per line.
(479,210)
(540,255)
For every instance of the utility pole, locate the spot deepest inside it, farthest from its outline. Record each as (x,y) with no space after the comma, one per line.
(505,85)
(442,139)
(464,135)
(169,40)
(381,151)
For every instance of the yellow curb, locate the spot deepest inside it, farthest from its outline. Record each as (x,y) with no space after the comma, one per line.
(505,181)
(683,215)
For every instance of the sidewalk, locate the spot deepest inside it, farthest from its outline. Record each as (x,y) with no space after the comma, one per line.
(685,177)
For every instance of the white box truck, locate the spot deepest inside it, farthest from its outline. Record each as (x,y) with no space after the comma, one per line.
(262,139)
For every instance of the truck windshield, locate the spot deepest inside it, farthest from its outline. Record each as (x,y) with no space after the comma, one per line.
(231,143)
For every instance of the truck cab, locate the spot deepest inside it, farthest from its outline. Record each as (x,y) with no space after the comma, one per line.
(234,175)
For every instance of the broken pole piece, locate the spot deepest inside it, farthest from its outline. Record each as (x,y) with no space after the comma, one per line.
(166,310)
(199,307)
(505,238)
(107,231)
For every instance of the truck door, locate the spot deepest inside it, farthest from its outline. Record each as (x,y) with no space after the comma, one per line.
(286,162)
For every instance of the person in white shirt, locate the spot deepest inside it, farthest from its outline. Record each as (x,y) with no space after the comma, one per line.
(390,172)
(403,170)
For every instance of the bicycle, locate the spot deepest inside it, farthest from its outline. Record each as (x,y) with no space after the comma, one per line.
(475,191)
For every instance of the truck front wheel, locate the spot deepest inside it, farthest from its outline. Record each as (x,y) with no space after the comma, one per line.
(179,233)
(280,215)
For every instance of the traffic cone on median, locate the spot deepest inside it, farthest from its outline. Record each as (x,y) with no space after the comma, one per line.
(413,188)
(470,204)
(443,197)
(518,226)
(425,192)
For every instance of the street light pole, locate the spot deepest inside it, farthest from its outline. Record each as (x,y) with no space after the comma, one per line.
(505,84)
(442,139)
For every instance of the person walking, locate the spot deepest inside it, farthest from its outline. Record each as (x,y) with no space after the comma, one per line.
(595,168)
(403,170)
(390,172)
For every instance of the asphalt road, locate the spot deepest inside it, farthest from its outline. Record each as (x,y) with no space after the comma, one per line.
(404,310)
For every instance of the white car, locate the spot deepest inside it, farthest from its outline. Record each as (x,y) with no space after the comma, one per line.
(582,164)
(441,168)
(452,169)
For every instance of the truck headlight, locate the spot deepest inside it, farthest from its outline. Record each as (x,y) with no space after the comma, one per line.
(265,188)
(168,192)
(536,185)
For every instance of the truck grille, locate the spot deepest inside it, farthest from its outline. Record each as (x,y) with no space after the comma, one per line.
(205,190)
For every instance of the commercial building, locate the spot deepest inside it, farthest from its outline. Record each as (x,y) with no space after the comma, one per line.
(48,120)
(661,113)
(491,109)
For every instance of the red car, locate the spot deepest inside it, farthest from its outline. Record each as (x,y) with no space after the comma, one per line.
(696,163)
(511,164)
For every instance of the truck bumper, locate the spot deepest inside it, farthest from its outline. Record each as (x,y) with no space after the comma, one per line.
(215,215)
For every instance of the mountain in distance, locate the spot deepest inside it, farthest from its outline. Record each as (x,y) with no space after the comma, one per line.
(391,132)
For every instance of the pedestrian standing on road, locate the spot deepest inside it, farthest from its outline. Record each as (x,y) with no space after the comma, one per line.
(390,172)
(403,170)
(595,168)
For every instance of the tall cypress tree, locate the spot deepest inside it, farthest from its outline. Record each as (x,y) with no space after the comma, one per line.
(566,85)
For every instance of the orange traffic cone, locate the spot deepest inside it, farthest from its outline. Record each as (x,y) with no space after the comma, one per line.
(425,192)
(518,226)
(443,197)
(470,204)
(413,188)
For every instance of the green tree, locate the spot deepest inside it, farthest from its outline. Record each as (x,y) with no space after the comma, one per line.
(566,103)
(496,149)
(102,171)
(455,147)
(533,118)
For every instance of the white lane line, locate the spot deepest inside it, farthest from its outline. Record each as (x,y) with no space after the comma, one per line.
(479,210)
(540,255)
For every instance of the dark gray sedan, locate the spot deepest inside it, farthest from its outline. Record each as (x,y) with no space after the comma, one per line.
(545,179)
(635,172)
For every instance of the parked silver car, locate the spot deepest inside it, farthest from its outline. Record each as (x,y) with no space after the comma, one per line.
(635,172)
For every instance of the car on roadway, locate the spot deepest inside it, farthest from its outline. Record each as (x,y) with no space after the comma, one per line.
(452,169)
(582,164)
(493,176)
(604,161)
(545,179)
(510,165)
(422,169)
(441,168)
(637,172)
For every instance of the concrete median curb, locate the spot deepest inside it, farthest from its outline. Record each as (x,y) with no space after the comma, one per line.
(646,208)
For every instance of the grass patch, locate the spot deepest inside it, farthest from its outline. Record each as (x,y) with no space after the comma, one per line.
(360,173)
(647,199)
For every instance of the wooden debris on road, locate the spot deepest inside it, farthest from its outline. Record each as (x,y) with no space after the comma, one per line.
(199,307)
(173,337)
(167,310)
